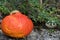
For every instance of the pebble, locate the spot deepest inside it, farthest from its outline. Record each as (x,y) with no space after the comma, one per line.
(51,38)
(34,35)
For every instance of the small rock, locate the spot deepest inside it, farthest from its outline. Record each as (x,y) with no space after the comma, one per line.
(51,38)
(34,36)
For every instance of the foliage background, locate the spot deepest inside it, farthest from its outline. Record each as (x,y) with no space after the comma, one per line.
(37,10)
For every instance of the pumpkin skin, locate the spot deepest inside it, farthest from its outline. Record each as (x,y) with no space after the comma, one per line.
(17,25)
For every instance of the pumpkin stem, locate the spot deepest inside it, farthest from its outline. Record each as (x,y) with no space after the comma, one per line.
(14,12)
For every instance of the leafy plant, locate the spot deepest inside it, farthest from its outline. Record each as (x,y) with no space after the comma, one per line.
(4,9)
(45,12)
(36,10)
(7,6)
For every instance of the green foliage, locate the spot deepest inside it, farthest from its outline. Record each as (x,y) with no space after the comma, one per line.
(43,12)
(4,9)
(51,30)
(33,8)
(6,6)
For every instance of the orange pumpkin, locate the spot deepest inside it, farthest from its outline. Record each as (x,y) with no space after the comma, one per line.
(17,25)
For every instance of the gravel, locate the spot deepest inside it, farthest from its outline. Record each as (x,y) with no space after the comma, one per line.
(44,34)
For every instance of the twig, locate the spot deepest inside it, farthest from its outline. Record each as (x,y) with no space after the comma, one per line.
(41,2)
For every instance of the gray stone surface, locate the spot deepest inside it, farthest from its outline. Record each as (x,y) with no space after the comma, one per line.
(44,35)
(36,35)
